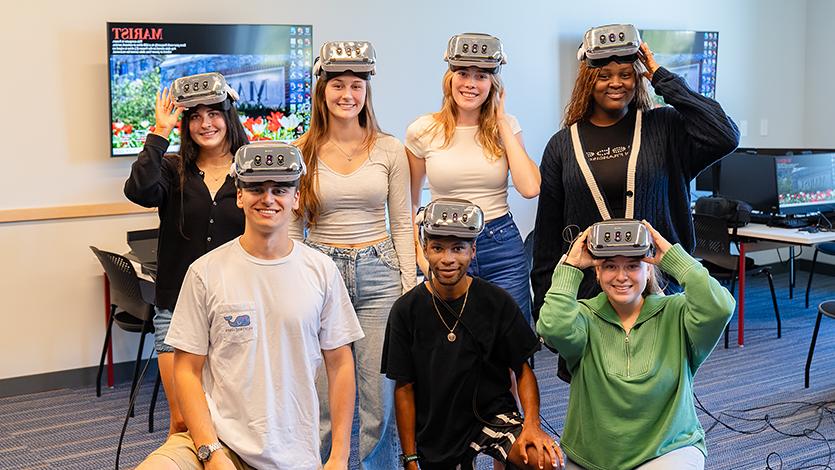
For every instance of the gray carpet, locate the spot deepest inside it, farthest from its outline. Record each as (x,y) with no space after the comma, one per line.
(72,429)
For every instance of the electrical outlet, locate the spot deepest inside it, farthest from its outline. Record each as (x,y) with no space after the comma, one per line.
(743,128)
(763,127)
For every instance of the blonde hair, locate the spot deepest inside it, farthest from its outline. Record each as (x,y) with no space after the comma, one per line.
(316,136)
(654,282)
(487,135)
(581,104)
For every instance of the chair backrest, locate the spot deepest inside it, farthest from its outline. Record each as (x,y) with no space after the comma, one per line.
(125,289)
(713,242)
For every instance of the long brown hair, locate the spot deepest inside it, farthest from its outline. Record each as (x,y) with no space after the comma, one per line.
(316,136)
(581,104)
(189,150)
(488,126)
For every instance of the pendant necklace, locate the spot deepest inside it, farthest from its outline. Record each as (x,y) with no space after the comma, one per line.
(349,156)
(451,337)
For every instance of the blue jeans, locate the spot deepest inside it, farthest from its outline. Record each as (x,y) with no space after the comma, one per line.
(500,258)
(162,320)
(372,276)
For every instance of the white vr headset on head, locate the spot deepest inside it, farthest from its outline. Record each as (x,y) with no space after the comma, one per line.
(613,42)
(205,88)
(268,161)
(337,57)
(475,50)
(447,217)
(619,237)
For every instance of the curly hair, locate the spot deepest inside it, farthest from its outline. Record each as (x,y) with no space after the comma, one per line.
(581,105)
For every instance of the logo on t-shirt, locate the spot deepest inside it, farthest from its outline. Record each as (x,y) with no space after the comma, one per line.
(609,153)
(239,322)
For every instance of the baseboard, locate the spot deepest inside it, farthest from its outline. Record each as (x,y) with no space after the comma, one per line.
(74,378)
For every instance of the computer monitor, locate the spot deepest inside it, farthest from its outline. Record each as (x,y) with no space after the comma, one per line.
(806,181)
(750,178)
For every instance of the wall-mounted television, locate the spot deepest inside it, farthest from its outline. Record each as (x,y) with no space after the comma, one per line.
(691,54)
(268,65)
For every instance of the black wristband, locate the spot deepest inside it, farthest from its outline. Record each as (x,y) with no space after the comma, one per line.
(406,459)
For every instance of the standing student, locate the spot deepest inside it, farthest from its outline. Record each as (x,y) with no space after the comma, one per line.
(196,200)
(633,353)
(466,151)
(617,156)
(358,178)
(256,318)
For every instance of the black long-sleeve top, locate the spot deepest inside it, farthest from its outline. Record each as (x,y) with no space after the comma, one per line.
(191,223)
(677,143)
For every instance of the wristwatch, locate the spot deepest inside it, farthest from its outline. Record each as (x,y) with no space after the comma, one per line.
(405,459)
(204,452)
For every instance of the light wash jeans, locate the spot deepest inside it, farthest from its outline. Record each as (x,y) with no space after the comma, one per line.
(500,258)
(372,276)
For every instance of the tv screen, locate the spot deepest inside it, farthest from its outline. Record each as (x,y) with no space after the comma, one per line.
(268,65)
(691,54)
(806,182)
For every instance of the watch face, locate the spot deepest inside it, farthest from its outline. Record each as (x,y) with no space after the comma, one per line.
(203,453)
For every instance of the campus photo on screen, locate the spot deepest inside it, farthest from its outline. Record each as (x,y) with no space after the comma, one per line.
(268,65)
(690,54)
(806,181)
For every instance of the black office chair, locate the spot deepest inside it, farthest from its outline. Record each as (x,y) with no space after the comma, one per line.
(132,309)
(827,248)
(825,308)
(713,247)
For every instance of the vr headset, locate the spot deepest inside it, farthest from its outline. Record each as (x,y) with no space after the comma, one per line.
(338,57)
(475,50)
(268,161)
(205,88)
(446,217)
(619,237)
(613,42)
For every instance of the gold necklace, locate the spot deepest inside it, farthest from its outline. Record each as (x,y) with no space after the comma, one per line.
(349,156)
(214,168)
(451,337)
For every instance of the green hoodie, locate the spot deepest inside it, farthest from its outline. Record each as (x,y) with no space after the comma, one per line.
(631,397)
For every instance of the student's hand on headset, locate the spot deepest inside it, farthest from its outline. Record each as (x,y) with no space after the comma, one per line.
(647,58)
(661,245)
(166,114)
(579,255)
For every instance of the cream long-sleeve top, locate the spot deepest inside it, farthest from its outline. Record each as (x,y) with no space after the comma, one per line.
(354,206)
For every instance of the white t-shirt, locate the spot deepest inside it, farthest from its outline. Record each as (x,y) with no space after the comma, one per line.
(262,325)
(461,170)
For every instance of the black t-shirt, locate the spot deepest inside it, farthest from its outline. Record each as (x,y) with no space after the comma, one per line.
(607,152)
(492,337)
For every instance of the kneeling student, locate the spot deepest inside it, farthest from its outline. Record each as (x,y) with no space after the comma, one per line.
(450,344)
(632,351)
(255,319)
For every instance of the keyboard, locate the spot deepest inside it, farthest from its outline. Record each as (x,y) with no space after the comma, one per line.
(782,221)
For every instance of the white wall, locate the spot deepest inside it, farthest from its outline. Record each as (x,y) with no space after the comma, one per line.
(55,83)
(820,73)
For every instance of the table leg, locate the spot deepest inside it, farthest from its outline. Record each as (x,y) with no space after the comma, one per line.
(791,271)
(741,296)
(106,322)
